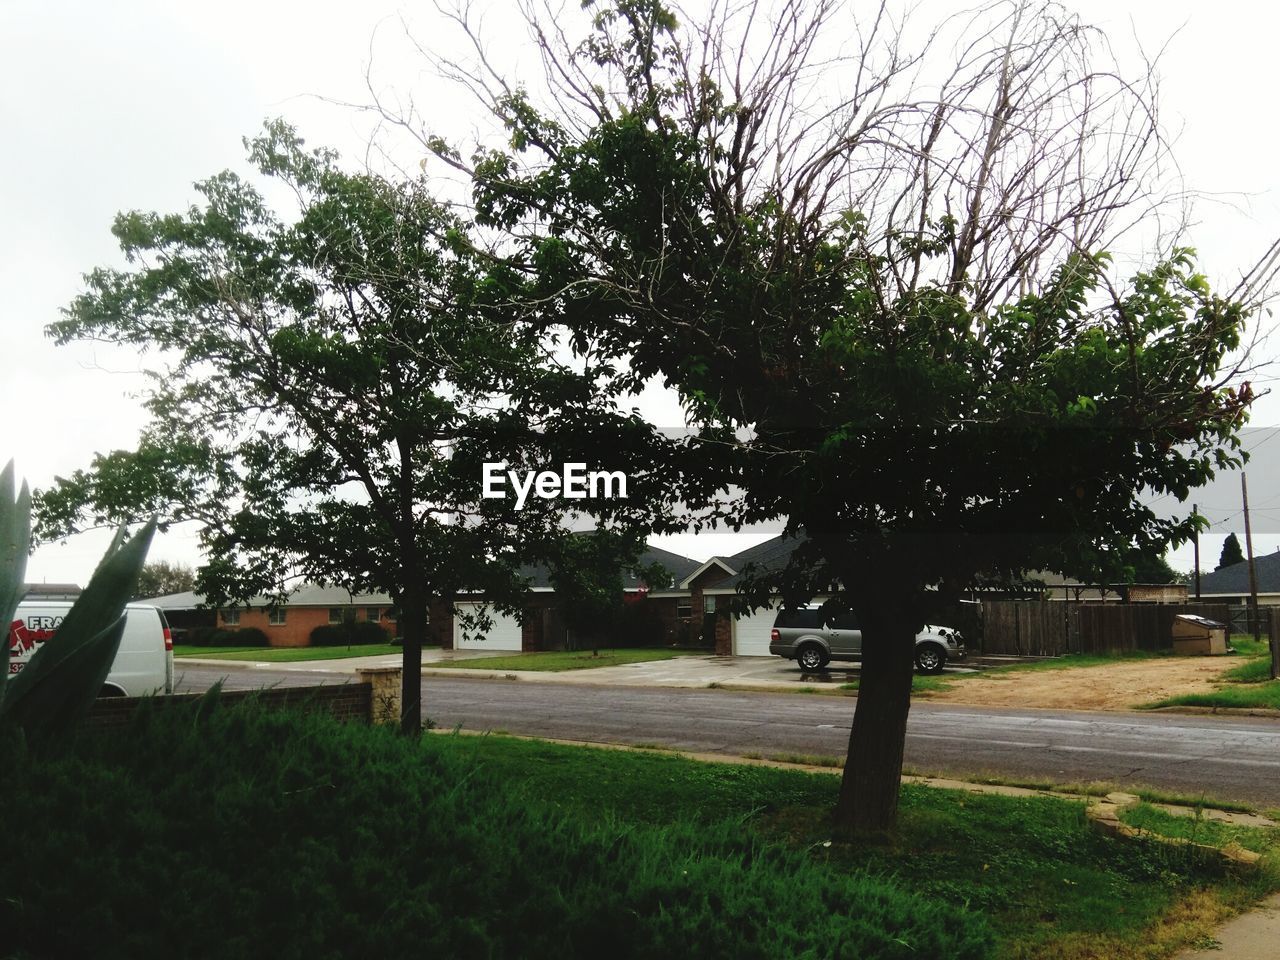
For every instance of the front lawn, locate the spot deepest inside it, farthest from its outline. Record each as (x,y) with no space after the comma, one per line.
(556,660)
(1246,686)
(318,839)
(285,654)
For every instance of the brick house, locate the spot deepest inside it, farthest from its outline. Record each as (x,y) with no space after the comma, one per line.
(693,611)
(286,625)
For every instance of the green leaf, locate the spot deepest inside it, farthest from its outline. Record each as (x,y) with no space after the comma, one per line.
(15,543)
(61,681)
(57,698)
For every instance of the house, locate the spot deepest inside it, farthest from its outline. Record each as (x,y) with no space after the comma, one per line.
(286,625)
(666,613)
(1231,584)
(714,585)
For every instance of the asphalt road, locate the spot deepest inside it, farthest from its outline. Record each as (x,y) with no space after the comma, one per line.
(1233,758)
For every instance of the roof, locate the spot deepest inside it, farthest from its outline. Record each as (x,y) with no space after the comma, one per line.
(310,595)
(770,555)
(678,566)
(305,595)
(1234,580)
(50,591)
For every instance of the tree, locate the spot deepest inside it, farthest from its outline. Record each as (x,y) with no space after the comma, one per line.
(887,291)
(160,578)
(1150,567)
(326,390)
(1231,552)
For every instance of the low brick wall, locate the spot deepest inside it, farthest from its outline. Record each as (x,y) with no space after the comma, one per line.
(345,701)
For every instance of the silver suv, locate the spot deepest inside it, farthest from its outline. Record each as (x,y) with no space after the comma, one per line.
(806,636)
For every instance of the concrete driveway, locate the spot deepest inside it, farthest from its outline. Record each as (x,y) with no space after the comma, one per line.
(756,673)
(748,673)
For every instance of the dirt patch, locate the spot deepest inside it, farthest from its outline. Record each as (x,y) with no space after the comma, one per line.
(1115,686)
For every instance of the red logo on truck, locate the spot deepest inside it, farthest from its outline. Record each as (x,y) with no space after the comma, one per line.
(24,635)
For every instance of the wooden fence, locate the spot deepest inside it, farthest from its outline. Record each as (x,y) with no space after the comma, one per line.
(1050,628)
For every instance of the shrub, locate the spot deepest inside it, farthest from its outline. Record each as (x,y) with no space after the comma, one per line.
(357,634)
(395,848)
(218,637)
(247,637)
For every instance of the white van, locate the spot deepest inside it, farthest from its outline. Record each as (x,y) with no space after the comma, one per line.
(143,664)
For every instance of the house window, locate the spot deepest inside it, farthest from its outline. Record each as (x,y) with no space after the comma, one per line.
(335,614)
(231,618)
(684,608)
(708,604)
(275,616)
(373,614)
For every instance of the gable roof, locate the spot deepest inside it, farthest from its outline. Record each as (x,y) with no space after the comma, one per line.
(304,595)
(679,567)
(1234,580)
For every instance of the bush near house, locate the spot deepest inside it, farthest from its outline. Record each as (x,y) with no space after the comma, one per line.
(358,634)
(221,637)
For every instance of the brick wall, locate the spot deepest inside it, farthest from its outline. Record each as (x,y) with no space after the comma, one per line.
(345,701)
(724,627)
(298,623)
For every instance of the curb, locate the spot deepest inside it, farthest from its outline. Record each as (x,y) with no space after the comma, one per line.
(1265,712)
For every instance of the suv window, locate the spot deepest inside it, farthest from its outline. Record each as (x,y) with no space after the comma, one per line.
(799,619)
(843,621)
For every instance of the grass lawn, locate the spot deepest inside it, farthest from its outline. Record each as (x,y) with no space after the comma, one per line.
(1146,817)
(1048,885)
(1248,685)
(556,660)
(322,840)
(285,654)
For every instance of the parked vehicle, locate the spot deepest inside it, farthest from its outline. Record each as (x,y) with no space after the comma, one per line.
(143,664)
(813,640)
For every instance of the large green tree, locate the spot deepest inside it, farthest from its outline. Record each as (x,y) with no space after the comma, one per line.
(895,297)
(327,384)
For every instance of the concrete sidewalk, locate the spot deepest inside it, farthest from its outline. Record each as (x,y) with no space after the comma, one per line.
(338,665)
(1251,936)
(731,673)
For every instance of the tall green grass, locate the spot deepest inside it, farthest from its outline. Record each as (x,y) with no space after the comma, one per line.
(235,832)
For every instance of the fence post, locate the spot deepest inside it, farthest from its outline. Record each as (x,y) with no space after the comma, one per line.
(384,698)
(1275,643)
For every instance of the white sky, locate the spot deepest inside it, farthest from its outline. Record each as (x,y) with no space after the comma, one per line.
(122,105)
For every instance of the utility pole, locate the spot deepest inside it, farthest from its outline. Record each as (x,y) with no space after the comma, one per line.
(1195,539)
(1253,573)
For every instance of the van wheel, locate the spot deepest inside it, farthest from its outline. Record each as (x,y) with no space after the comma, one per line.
(110,691)
(811,657)
(930,658)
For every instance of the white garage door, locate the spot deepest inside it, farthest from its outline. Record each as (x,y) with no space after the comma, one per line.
(504,634)
(751,632)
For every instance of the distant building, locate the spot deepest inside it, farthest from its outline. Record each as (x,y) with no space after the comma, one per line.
(1231,584)
(50,591)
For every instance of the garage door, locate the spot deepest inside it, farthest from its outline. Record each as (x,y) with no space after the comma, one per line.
(503,634)
(751,633)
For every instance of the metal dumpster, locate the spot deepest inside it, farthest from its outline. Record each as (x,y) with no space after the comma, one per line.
(1198,636)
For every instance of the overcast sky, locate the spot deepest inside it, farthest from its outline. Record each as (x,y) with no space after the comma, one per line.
(122,105)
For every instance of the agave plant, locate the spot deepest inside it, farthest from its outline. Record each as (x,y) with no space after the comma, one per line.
(63,678)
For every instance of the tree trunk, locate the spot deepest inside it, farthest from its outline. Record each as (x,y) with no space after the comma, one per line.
(413,623)
(868,800)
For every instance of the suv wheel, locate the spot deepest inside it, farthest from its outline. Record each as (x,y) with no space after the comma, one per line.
(811,657)
(930,658)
